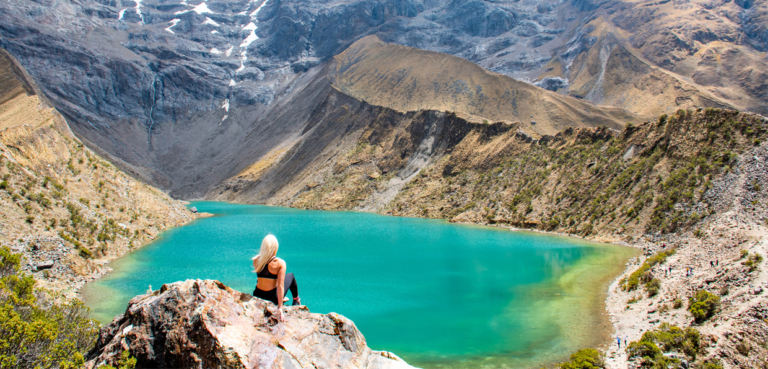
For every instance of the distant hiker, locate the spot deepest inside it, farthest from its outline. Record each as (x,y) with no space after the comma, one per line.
(717,262)
(272,276)
(625,340)
(618,341)
(711,263)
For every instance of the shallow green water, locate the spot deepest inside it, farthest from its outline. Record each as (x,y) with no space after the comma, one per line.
(435,293)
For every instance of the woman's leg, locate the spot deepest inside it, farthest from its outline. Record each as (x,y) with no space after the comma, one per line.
(290,284)
(270,295)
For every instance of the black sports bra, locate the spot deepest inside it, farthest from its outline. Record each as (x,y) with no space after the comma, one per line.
(265,273)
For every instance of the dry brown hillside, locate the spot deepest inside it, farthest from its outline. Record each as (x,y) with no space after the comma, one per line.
(63,207)
(408,79)
(653,57)
(613,73)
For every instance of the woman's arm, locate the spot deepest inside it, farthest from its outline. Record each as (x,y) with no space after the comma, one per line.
(280,286)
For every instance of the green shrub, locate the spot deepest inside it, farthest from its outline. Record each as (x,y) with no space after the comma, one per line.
(710,364)
(703,305)
(38,330)
(753,261)
(125,362)
(4,185)
(653,287)
(639,276)
(85,252)
(584,359)
(678,303)
(668,338)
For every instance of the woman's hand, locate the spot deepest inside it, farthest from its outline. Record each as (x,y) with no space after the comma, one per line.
(280,316)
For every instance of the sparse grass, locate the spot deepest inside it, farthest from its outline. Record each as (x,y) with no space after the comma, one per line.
(753,261)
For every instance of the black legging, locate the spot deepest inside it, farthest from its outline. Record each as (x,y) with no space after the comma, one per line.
(271,295)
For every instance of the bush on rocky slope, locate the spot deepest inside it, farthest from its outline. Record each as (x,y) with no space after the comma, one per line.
(703,305)
(679,344)
(643,274)
(39,330)
(584,359)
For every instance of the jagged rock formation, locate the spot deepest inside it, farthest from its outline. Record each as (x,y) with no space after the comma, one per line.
(205,324)
(63,207)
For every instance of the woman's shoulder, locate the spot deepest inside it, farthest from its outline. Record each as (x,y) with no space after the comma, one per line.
(278,261)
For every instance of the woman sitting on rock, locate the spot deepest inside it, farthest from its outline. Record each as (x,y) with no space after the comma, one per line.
(272,276)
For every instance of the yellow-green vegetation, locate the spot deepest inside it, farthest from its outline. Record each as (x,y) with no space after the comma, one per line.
(126,361)
(678,303)
(703,305)
(710,364)
(584,359)
(38,329)
(643,274)
(753,261)
(652,346)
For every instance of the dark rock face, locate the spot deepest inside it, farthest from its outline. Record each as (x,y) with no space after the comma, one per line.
(205,324)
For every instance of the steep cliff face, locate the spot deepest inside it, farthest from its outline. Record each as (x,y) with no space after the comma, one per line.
(205,324)
(63,207)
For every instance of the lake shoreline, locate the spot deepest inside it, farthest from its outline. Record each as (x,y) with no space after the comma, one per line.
(590,305)
(632,323)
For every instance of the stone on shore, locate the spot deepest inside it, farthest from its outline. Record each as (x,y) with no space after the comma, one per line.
(47,264)
(205,324)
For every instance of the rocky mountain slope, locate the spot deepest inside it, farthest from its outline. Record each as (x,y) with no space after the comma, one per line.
(67,210)
(204,324)
(173,92)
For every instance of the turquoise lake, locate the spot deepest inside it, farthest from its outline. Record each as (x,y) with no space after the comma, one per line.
(434,293)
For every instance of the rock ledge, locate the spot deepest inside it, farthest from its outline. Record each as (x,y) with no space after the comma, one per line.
(205,324)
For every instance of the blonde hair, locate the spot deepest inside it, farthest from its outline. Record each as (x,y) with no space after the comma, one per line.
(266,253)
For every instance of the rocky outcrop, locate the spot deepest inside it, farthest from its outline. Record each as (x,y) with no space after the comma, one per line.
(205,324)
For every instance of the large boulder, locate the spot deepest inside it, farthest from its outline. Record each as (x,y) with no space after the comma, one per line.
(205,324)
